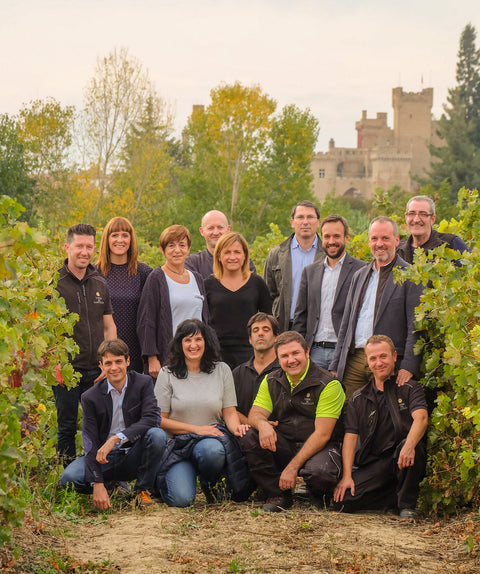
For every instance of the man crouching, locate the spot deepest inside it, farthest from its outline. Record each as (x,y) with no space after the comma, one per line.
(388,421)
(120,433)
(293,419)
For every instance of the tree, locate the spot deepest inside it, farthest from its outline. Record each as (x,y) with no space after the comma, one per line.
(114,101)
(245,160)
(46,133)
(142,187)
(458,161)
(15,180)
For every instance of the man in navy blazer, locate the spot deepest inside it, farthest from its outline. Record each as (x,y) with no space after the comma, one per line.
(120,430)
(378,306)
(323,291)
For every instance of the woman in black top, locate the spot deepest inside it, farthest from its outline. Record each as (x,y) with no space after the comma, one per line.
(234,294)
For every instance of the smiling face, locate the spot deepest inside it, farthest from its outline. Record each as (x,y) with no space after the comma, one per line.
(80,252)
(381,360)
(419,219)
(119,244)
(305,223)
(214,225)
(382,242)
(334,239)
(193,348)
(232,257)
(176,252)
(293,359)
(115,369)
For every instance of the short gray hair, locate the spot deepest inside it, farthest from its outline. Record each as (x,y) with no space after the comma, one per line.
(384,219)
(429,200)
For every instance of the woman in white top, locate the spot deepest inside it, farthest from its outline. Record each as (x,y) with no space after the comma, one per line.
(195,393)
(170,295)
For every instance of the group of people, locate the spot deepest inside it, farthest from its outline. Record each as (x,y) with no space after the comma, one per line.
(323,387)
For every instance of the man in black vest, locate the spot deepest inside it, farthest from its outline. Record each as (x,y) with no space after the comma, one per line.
(306,401)
(419,217)
(389,422)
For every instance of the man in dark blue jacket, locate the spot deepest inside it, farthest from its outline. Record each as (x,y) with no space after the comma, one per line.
(120,431)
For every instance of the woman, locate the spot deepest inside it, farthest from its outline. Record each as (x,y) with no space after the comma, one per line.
(195,393)
(234,294)
(125,276)
(171,294)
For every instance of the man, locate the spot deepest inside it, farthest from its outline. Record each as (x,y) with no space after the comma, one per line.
(377,305)
(263,331)
(85,292)
(120,431)
(390,422)
(214,225)
(420,217)
(285,262)
(323,292)
(306,401)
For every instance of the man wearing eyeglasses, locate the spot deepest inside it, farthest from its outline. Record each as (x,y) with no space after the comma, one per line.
(420,217)
(285,262)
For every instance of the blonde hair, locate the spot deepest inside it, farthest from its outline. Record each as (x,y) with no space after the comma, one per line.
(225,241)
(104,261)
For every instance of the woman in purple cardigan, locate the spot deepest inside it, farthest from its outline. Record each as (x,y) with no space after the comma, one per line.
(171,295)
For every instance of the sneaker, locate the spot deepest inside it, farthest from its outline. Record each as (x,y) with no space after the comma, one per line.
(119,487)
(143,498)
(279,503)
(408,514)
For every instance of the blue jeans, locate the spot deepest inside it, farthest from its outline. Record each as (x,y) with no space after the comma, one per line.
(67,401)
(321,356)
(180,486)
(141,461)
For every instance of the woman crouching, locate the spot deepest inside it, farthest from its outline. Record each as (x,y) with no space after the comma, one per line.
(196,395)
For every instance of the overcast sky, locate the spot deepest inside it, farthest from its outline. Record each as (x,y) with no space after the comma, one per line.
(337,57)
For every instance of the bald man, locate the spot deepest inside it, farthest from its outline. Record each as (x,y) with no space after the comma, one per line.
(214,225)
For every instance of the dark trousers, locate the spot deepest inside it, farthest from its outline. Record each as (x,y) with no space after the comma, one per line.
(141,461)
(320,472)
(66,402)
(381,483)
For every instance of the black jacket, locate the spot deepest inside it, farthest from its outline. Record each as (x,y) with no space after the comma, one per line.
(436,239)
(398,400)
(90,299)
(295,410)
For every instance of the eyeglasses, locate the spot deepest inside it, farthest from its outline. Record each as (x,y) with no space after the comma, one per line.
(422,214)
(307,217)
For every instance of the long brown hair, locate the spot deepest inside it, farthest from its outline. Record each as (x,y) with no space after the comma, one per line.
(104,261)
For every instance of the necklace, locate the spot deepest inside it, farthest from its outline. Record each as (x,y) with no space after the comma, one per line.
(176,272)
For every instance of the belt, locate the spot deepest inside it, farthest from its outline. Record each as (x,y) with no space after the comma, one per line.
(324,344)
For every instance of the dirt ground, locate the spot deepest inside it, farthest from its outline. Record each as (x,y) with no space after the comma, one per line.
(241,538)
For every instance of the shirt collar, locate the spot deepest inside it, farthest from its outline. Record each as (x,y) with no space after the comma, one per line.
(295,244)
(339,262)
(292,384)
(111,387)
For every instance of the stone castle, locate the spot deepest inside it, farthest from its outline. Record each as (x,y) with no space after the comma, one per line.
(384,157)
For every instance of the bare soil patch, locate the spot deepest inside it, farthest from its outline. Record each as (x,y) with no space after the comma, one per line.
(240,538)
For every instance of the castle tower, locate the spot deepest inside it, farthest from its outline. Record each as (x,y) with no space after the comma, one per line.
(412,124)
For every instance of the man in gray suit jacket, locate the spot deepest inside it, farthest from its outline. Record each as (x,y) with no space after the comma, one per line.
(378,306)
(323,292)
(285,262)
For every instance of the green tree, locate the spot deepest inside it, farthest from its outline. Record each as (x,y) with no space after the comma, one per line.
(46,133)
(142,187)
(458,161)
(245,160)
(15,180)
